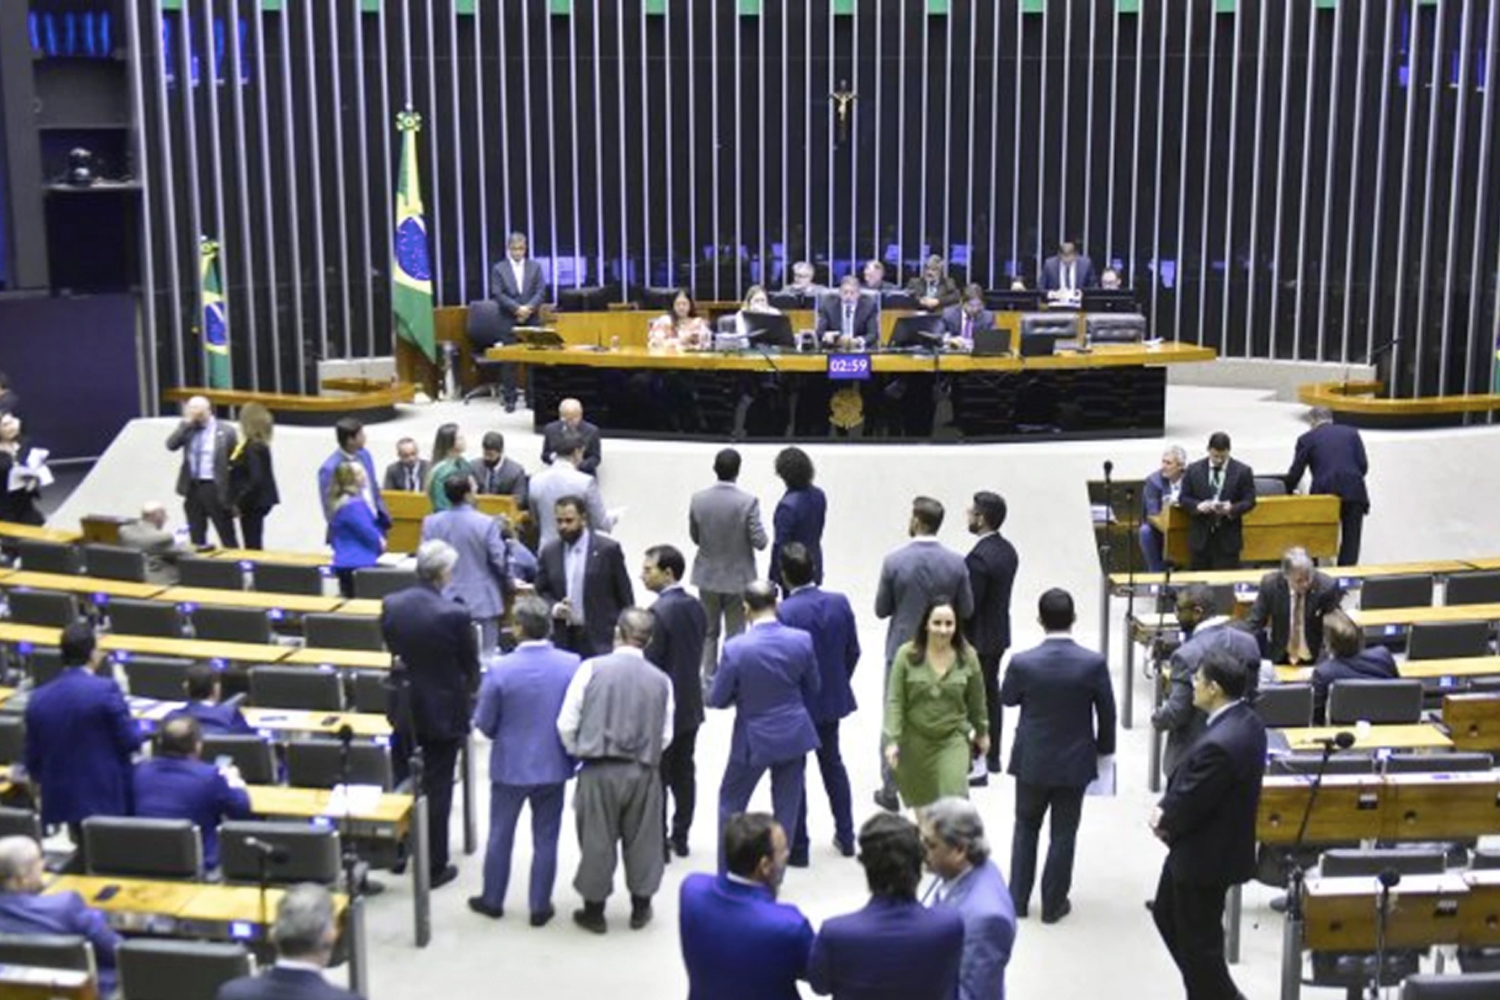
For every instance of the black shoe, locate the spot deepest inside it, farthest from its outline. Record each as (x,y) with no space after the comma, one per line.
(680,846)
(1022,912)
(370,887)
(541,918)
(442,878)
(979,781)
(591,918)
(1057,914)
(478,905)
(797,860)
(640,912)
(1151,905)
(844,847)
(888,801)
(510,406)
(992,766)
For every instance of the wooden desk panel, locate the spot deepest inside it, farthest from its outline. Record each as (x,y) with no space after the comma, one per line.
(1473,721)
(367,606)
(281,558)
(1416,736)
(1492,562)
(338,658)
(1424,615)
(1251,577)
(83,585)
(34,982)
(45,636)
(1349,807)
(298,603)
(290,720)
(1424,670)
(1425,910)
(33,533)
(1441,807)
(1273,526)
(193,649)
(283,801)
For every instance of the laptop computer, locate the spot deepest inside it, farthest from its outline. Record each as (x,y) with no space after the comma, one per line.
(922,330)
(768,330)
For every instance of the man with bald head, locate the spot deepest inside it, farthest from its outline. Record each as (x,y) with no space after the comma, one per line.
(23,910)
(177,784)
(150,536)
(570,421)
(203,480)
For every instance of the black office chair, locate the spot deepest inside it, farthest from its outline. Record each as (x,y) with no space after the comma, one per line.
(312,852)
(43,665)
(586,298)
(1270,486)
(142,848)
(219,574)
(252,755)
(1447,640)
(154,969)
(49,557)
(279,578)
(1473,588)
(1285,705)
(160,677)
(231,624)
(20,823)
(157,618)
(1407,590)
(115,562)
(378,581)
(370,692)
(72,952)
(315,763)
(1388,702)
(1353,970)
(1438,763)
(12,738)
(319,689)
(484,328)
(343,632)
(1469,986)
(52,608)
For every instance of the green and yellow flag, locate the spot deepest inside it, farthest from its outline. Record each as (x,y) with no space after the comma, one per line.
(215,315)
(411,268)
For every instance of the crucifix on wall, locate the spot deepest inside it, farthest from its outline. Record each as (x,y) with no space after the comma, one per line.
(843,99)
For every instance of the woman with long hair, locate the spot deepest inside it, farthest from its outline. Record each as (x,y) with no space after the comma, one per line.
(447,461)
(352,531)
(252,480)
(800,512)
(682,327)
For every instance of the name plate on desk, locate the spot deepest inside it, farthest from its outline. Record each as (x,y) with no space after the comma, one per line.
(848,367)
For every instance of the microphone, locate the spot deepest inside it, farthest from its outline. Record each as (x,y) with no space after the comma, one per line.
(1389,878)
(1338,741)
(1109,467)
(346,734)
(271,852)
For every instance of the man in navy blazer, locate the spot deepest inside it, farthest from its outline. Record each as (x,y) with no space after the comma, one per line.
(827,617)
(848,314)
(963,321)
(1336,455)
(958,853)
(738,942)
(1067,270)
(894,946)
(350,433)
(519,700)
(481,578)
(304,935)
(1217,492)
(676,646)
(769,674)
(205,703)
(992,564)
(177,784)
(1207,820)
(24,911)
(80,738)
(1067,723)
(1348,660)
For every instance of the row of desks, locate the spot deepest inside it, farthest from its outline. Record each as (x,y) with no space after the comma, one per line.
(204,649)
(1392,807)
(69,536)
(270,721)
(91,586)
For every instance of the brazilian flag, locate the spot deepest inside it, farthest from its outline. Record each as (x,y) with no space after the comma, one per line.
(411,269)
(215,315)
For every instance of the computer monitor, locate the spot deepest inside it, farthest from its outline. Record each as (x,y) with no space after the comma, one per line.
(1041,332)
(991,343)
(793,300)
(1109,300)
(658,299)
(1027,300)
(768,330)
(1469,986)
(922,330)
(897,299)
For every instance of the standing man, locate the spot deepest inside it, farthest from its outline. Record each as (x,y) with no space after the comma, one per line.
(433,637)
(616,719)
(1217,492)
(350,434)
(1159,492)
(1067,270)
(1067,724)
(498,474)
(582,574)
(518,286)
(150,536)
(958,853)
(847,315)
(481,577)
(570,421)
(519,700)
(565,479)
(769,675)
(724,522)
(1292,602)
(911,578)
(175,783)
(827,617)
(1207,821)
(677,638)
(408,473)
(738,943)
(203,480)
(969,317)
(992,565)
(1336,455)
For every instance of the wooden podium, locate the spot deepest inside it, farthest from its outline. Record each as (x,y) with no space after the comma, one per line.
(408,509)
(1273,526)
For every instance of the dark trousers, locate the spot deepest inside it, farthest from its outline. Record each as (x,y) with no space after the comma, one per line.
(546,824)
(202,504)
(740,779)
(439,760)
(836,784)
(1191,921)
(346,582)
(1214,556)
(1351,531)
(989,665)
(679,778)
(253,526)
(1032,805)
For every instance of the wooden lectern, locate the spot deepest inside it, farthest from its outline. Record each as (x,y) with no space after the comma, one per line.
(408,509)
(1275,525)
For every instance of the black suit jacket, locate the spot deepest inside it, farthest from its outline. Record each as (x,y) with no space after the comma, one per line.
(1208,812)
(992,566)
(830,318)
(552,436)
(1061,689)
(395,476)
(510,297)
(252,478)
(606,588)
(1273,606)
(677,648)
(283,984)
(1211,532)
(1336,455)
(434,637)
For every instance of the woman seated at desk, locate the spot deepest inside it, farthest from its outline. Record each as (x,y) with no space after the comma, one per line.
(756,301)
(682,327)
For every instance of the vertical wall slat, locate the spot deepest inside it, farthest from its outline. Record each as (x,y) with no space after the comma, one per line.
(1372,310)
(1231,191)
(1455,182)
(195,205)
(362,129)
(1253,273)
(249,332)
(1182,184)
(169,204)
(1281,185)
(477,54)
(624,150)
(1408,136)
(1479,280)
(147,335)
(1308,108)
(294,168)
(342,206)
(1439,63)
(1331,131)
(315,157)
(1205,209)
(1356,151)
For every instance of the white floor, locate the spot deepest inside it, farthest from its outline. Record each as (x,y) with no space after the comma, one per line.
(1433,497)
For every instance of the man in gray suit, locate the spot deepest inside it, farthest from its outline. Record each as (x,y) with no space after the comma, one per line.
(518,286)
(409,471)
(724,522)
(911,578)
(203,480)
(482,576)
(563,479)
(499,474)
(150,536)
(615,721)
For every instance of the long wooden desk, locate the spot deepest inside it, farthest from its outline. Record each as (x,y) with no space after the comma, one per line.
(1357,807)
(296,603)
(1406,617)
(281,721)
(1148,583)
(200,649)
(178,909)
(35,533)
(349,658)
(1423,670)
(82,585)
(1273,526)
(1413,736)
(279,557)
(1460,908)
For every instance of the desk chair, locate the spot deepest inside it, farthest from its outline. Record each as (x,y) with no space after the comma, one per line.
(320,689)
(1469,986)
(312,851)
(49,557)
(131,617)
(20,823)
(115,562)
(314,763)
(153,969)
(370,691)
(484,327)
(159,677)
(1388,702)
(49,951)
(1270,486)
(43,607)
(1406,590)
(279,578)
(219,574)
(1352,970)
(43,665)
(343,632)
(1284,705)
(231,624)
(253,755)
(12,739)
(1446,640)
(135,847)
(379,581)
(1473,588)
(1439,763)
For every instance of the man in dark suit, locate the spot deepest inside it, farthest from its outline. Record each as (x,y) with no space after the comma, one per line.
(1348,660)
(1288,612)
(1217,492)
(1067,270)
(769,675)
(408,472)
(434,638)
(481,578)
(304,934)
(963,321)
(519,699)
(518,287)
(203,480)
(205,704)
(582,574)
(1207,820)
(676,647)
(177,784)
(570,420)
(80,738)
(738,942)
(1067,724)
(350,434)
(498,474)
(894,946)
(24,910)
(827,617)
(847,315)
(933,289)
(1160,491)
(1336,455)
(992,565)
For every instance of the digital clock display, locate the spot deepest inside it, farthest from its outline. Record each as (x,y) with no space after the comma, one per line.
(848,367)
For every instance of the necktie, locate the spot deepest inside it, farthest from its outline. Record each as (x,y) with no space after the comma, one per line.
(1068,280)
(1216,478)
(1297,642)
(848,321)
(968,329)
(411,478)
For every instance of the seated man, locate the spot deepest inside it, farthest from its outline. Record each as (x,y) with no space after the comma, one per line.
(175,784)
(1348,660)
(933,289)
(498,474)
(23,910)
(802,282)
(1067,271)
(1160,491)
(969,317)
(409,471)
(875,284)
(1109,280)
(1293,601)
(204,704)
(150,536)
(570,421)
(304,934)
(847,315)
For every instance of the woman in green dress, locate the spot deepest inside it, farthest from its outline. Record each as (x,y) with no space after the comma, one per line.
(934,709)
(448,460)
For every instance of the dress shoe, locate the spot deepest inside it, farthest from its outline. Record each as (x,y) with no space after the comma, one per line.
(993,766)
(442,878)
(844,847)
(888,801)
(680,846)
(542,917)
(370,887)
(510,406)
(478,905)
(797,860)
(1057,914)
(1022,912)
(640,912)
(591,918)
(979,781)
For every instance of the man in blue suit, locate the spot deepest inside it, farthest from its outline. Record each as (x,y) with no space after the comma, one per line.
(24,911)
(1336,455)
(738,943)
(482,576)
(519,700)
(351,438)
(968,881)
(304,934)
(80,738)
(204,703)
(1067,271)
(176,784)
(894,946)
(826,617)
(770,674)
(1159,492)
